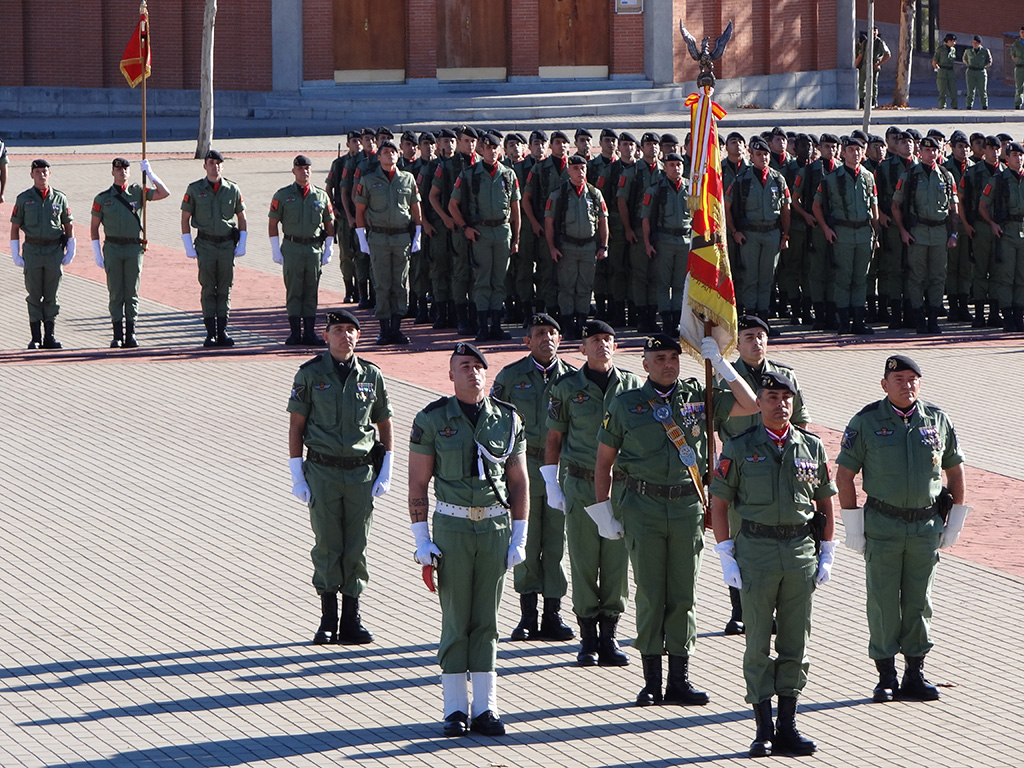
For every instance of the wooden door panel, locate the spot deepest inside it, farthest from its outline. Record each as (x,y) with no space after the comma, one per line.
(574,33)
(470,34)
(369,34)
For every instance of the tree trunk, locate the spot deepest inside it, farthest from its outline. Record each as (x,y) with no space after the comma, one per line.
(206,82)
(901,95)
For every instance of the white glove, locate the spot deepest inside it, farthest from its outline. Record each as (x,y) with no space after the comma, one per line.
(517,544)
(275,250)
(709,351)
(607,526)
(730,568)
(325,257)
(853,521)
(300,488)
(190,248)
(69,252)
(97,253)
(240,248)
(148,170)
(553,491)
(364,247)
(383,483)
(416,239)
(955,524)
(426,550)
(16,253)
(826,557)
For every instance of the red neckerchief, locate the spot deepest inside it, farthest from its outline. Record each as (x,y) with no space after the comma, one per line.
(216,188)
(124,187)
(652,167)
(579,189)
(831,164)
(563,162)
(491,169)
(678,184)
(391,174)
(779,438)
(764,176)
(305,191)
(44,193)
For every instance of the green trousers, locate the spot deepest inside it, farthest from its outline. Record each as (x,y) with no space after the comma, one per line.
(791,273)
(441,264)
(599,567)
(470,578)
(945,79)
(1018,90)
(617,261)
(123,265)
(851,272)
(862,80)
(643,288)
(346,248)
(983,247)
(340,514)
(1007,272)
(778,584)
(216,263)
(526,262)
(43,274)
(977,87)
(926,274)
(576,277)
(543,570)
(546,276)
(389,259)
(890,263)
(821,267)
(419,269)
(759,256)
(673,254)
(301,272)
(490,255)
(462,271)
(959,270)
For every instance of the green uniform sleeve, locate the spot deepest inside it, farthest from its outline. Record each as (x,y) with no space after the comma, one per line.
(851,446)
(612,431)
(299,402)
(951,455)
(726,479)
(275,205)
(826,486)
(421,438)
(552,203)
(381,409)
(558,416)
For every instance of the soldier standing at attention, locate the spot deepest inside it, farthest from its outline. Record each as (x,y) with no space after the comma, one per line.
(891,272)
(582,139)
(596,169)
(821,266)
(776,478)
(655,435)
(472,446)
(337,400)
(304,214)
(527,384)
(419,267)
(529,243)
(214,206)
(364,282)
(43,212)
(515,148)
(118,209)
(959,267)
(439,242)
(345,234)
(945,78)
(879,55)
(634,181)
(389,227)
(1002,208)
(983,243)
(903,446)
(1017,54)
(599,567)
(977,59)
(667,232)
(545,177)
(618,247)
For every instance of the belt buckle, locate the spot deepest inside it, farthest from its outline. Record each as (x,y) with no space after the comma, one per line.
(675,492)
(641,487)
(477,513)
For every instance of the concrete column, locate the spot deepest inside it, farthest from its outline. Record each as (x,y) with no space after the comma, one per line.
(660,25)
(286,44)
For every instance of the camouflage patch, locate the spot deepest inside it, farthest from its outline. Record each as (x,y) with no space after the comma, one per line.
(496,390)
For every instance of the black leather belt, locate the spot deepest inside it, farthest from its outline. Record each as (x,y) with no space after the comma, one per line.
(942,67)
(228,238)
(661,491)
(761,226)
(779,532)
(490,223)
(123,240)
(337,462)
(1015,217)
(578,240)
(304,240)
(902,513)
(588,474)
(535,453)
(389,230)
(852,224)
(976,69)
(42,240)
(676,231)
(932,222)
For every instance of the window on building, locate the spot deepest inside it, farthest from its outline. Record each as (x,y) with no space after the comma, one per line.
(926,26)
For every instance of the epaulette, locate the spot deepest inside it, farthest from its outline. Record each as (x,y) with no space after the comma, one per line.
(869,408)
(805,431)
(694,379)
(316,359)
(777,364)
(504,403)
(439,403)
(364,361)
(747,431)
(566,375)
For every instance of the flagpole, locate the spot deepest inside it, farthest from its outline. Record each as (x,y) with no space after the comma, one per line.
(144,13)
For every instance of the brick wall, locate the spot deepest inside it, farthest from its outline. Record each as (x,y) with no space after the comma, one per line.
(627,31)
(317,43)
(421,56)
(960,16)
(523,43)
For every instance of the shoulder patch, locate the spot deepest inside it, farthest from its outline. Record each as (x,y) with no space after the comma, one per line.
(722,466)
(316,359)
(439,403)
(849,439)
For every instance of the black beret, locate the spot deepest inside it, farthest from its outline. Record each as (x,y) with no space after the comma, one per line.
(385,131)
(577,160)
(542,318)
(301,160)
(746,322)
(608,133)
(409,136)
(900,363)
(353,134)
(120,162)
(913,133)
(735,135)
(367,132)
(669,138)
(594,327)
(874,138)
(949,36)
(776,380)
(790,134)
(583,132)
(662,341)
(650,136)
(777,131)
(342,316)
(467,130)
(803,138)
(958,137)
(935,133)
(977,38)
(490,139)
(976,136)
(465,348)
(538,136)
(673,157)
(518,138)
(427,137)
(853,141)
(859,134)
(559,135)
(1014,146)
(830,138)
(387,143)
(992,141)
(446,133)
(813,138)
(760,145)
(1004,137)
(930,142)
(40,162)
(904,136)
(627,136)
(892,130)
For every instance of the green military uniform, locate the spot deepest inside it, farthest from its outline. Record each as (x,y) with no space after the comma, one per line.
(118,211)
(419,267)
(977,61)
(821,262)
(213,209)
(670,220)
(1017,54)
(527,385)
(891,269)
(880,51)
(634,181)
(769,488)
(958,261)
(341,403)
(792,274)
(660,508)
(735,425)
(597,167)
(945,77)
(361,261)
(599,567)
(575,214)
(461,274)
(438,247)
(471,571)
(343,233)
(972,185)
(617,262)
(902,462)
(542,179)
(729,173)
(42,219)
(525,260)
(1004,197)
(389,225)
(304,215)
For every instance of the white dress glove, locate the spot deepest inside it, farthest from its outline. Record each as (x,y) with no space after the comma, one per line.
(709,351)
(16,253)
(426,550)
(325,257)
(69,252)
(275,250)
(826,557)
(553,491)
(364,247)
(383,482)
(730,568)
(97,254)
(240,247)
(607,526)
(190,248)
(517,544)
(853,522)
(300,488)
(417,236)
(955,524)
(148,170)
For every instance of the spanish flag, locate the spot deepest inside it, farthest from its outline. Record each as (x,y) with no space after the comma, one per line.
(138,49)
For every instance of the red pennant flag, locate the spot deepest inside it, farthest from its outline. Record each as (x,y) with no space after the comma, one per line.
(132,58)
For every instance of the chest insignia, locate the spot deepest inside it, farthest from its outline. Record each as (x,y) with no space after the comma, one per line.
(447,432)
(289,199)
(579,397)
(109,202)
(884,432)
(806,471)
(640,409)
(203,195)
(756,458)
(321,386)
(522,385)
(365,390)
(929,437)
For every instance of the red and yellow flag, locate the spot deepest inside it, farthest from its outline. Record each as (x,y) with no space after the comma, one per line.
(137,51)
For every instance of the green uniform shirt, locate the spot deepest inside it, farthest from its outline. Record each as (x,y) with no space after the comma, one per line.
(808,178)
(577,407)
(543,179)
(486,195)
(424,181)
(972,186)
(119,219)
(666,203)
(1004,196)
(645,450)
(388,199)
(734,425)
(902,462)
(608,182)
(333,182)
(945,56)
(634,180)
(301,215)
(933,195)
(770,487)
(212,210)
(596,166)
(348,171)
(528,387)
(785,164)
(848,196)
(448,171)
(443,430)
(1017,53)
(958,169)
(762,203)
(39,216)
(977,59)
(576,211)
(888,176)
(879,49)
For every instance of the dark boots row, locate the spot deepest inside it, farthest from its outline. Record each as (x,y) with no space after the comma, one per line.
(42,336)
(303,332)
(782,737)
(348,630)
(391,331)
(678,688)
(550,626)
(914,686)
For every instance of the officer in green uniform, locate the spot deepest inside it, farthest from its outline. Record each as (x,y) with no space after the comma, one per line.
(119,209)
(304,214)
(485,207)
(45,215)
(598,566)
(821,261)
(793,272)
(945,78)
(214,206)
(1017,54)
(527,384)
(337,400)
(1002,208)
(902,446)
(879,55)
(777,480)
(345,233)
(389,227)
(473,446)
(667,231)
(618,248)
(891,259)
(439,252)
(576,227)
(545,177)
(656,436)
(757,215)
(924,207)
(597,167)
(958,262)
(846,207)
(634,181)
(983,243)
(977,59)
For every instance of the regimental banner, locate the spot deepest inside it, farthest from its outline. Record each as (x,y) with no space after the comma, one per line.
(132,58)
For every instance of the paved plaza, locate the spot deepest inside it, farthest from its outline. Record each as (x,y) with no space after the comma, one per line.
(156,605)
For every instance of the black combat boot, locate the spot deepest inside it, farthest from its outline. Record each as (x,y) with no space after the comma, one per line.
(441,311)
(327,632)
(608,652)
(888,683)
(883,309)
(498,333)
(761,746)
(211,332)
(617,314)
(787,737)
(118,339)
(831,324)
(422,312)
(1007,321)
(933,320)
(872,309)
(397,337)
(963,312)
(551,625)
(483,324)
(651,692)
(351,295)
(384,337)
(587,657)
(526,629)
(735,624)
(1018,319)
(979,314)
(363,293)
(223,340)
(995,320)
(895,316)
(921,320)
(679,689)
(819,316)
(915,686)
(666,323)
(49,342)
(806,316)
(908,315)
(130,342)
(844,320)
(293,340)
(351,630)
(859,326)
(309,337)
(463,326)
(414,300)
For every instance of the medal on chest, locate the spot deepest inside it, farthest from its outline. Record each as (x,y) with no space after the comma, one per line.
(806,471)
(692,414)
